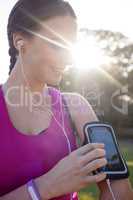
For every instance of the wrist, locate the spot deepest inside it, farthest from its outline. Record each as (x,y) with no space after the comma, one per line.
(121,189)
(33,190)
(43,185)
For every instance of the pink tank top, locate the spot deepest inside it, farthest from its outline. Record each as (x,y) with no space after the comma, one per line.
(24,157)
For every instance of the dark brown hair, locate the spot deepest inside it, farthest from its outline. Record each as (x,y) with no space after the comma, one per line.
(20,19)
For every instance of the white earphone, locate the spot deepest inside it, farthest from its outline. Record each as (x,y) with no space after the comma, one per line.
(20,43)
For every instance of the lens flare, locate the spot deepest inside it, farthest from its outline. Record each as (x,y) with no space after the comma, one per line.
(87,55)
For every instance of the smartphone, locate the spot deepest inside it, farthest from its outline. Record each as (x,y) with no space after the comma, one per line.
(98,132)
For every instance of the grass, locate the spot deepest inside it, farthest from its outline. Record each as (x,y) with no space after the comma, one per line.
(92,192)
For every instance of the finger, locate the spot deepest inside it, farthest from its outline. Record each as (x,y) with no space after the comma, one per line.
(93,155)
(94,165)
(95,178)
(89,147)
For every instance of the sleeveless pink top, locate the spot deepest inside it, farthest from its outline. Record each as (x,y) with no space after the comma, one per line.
(24,157)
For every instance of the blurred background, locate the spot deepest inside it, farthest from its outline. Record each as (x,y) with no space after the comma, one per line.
(103,72)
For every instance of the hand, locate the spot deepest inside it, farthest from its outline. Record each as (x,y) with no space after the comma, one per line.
(74,171)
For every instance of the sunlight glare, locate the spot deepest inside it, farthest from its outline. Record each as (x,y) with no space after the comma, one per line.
(87,55)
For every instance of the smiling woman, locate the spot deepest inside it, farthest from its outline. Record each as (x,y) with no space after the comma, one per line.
(39,34)
(39,156)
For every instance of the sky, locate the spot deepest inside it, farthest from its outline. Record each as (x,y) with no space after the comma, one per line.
(115,15)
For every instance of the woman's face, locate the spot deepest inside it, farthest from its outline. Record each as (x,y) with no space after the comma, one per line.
(45,62)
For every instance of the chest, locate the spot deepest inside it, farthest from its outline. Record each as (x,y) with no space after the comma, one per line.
(30,122)
(22,157)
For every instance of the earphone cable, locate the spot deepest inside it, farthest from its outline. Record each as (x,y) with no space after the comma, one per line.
(62,126)
(110,189)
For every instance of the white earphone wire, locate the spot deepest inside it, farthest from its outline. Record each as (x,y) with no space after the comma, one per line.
(110,189)
(62,126)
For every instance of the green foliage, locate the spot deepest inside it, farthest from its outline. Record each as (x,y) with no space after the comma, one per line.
(109,80)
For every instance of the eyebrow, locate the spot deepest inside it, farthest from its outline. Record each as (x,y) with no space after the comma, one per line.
(59,42)
(64,42)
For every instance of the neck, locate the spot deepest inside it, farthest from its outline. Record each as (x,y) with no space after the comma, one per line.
(17,80)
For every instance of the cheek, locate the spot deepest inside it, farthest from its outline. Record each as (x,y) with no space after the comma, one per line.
(39,54)
(45,58)
(42,61)
(43,67)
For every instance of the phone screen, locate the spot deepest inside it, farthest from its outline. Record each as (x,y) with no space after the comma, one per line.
(105,135)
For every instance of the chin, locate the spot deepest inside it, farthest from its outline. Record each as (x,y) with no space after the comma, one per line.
(54,82)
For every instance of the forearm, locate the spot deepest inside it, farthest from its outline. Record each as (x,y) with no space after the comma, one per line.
(121,188)
(22,193)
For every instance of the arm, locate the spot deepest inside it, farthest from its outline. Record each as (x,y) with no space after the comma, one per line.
(121,189)
(82,112)
(22,194)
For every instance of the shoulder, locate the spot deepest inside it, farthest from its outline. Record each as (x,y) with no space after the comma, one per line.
(81,111)
(79,104)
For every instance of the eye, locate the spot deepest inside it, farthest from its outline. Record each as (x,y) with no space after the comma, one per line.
(59,49)
(55,47)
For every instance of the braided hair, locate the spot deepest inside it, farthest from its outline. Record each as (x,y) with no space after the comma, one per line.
(22,18)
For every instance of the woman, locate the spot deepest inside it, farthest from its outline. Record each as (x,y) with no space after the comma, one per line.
(39,157)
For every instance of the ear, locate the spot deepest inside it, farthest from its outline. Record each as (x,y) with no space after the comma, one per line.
(17,37)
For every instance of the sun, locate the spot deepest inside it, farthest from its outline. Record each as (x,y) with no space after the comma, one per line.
(88,55)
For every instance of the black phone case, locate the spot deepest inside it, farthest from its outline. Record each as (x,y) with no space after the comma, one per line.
(110,176)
